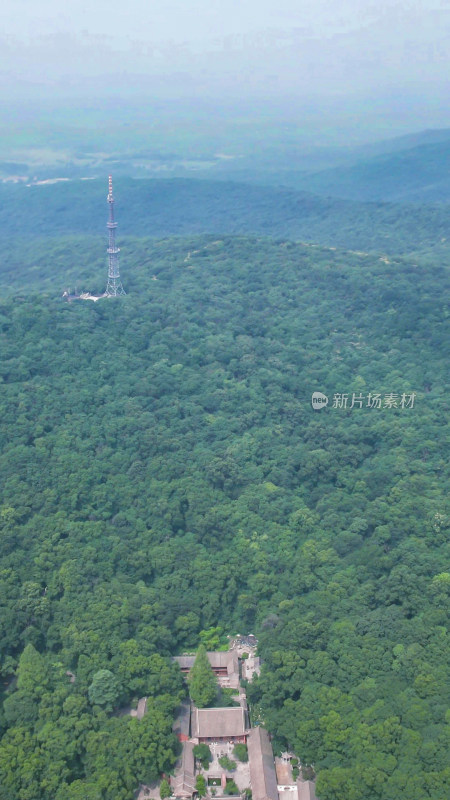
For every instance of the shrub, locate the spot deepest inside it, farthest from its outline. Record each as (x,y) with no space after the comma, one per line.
(200,785)
(241,752)
(227,763)
(203,753)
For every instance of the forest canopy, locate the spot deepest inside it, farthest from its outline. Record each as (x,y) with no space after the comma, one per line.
(183,207)
(164,473)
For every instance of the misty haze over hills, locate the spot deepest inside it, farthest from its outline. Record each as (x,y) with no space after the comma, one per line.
(346,68)
(328,52)
(202,140)
(252,91)
(340,102)
(417,175)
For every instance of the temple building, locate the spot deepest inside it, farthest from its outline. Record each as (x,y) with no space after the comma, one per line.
(263,776)
(183,782)
(219,724)
(225,665)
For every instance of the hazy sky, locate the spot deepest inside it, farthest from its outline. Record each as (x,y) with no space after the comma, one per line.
(191,20)
(231,47)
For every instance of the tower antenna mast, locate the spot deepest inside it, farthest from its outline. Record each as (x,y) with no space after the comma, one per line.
(114,286)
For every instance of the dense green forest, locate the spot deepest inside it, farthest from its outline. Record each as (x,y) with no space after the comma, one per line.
(184,207)
(164,473)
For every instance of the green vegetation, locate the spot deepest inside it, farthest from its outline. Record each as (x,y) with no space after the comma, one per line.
(224,698)
(164,789)
(214,638)
(227,763)
(163,474)
(201,786)
(203,753)
(104,689)
(414,175)
(241,752)
(231,787)
(160,208)
(203,687)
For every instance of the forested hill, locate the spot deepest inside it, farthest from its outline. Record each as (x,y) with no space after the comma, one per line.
(184,207)
(50,266)
(164,473)
(415,175)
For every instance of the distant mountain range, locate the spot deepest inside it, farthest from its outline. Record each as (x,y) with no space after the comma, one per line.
(412,169)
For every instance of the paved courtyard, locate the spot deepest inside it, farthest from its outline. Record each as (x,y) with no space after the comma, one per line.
(241,775)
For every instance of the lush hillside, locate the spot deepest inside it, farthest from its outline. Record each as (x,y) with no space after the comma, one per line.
(52,265)
(418,175)
(185,207)
(164,473)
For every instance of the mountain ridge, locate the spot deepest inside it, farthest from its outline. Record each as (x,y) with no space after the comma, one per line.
(417,174)
(179,207)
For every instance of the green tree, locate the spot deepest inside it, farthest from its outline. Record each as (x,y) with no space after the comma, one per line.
(20,708)
(227,763)
(203,685)
(32,673)
(203,753)
(164,789)
(241,752)
(79,790)
(200,785)
(104,689)
(211,637)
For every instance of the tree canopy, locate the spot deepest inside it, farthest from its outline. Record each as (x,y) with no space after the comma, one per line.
(166,479)
(203,686)
(104,689)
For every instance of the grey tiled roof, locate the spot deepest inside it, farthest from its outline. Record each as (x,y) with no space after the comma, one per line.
(183,783)
(218,723)
(263,777)
(306,790)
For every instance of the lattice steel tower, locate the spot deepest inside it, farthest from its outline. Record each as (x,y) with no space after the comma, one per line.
(114,286)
